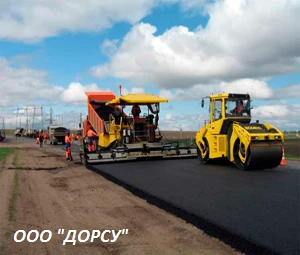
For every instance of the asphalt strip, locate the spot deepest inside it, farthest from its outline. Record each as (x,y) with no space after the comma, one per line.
(124,175)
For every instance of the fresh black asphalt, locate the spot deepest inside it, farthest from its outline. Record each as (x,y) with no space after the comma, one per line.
(261,207)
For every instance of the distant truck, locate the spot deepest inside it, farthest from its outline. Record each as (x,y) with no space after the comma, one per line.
(57,134)
(30,133)
(2,135)
(19,132)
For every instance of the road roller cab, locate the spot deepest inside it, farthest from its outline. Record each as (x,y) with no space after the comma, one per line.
(230,134)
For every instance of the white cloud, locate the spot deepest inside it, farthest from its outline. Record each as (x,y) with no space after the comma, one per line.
(291,91)
(133,90)
(273,111)
(22,85)
(243,38)
(136,90)
(255,88)
(184,122)
(282,116)
(75,93)
(30,116)
(109,47)
(35,20)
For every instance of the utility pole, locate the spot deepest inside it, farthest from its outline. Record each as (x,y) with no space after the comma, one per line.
(51,120)
(120,88)
(27,124)
(17,116)
(33,117)
(75,119)
(3,125)
(42,118)
(80,120)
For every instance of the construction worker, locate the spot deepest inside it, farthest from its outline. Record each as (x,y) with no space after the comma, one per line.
(41,138)
(91,143)
(239,107)
(45,138)
(68,147)
(117,115)
(135,111)
(86,125)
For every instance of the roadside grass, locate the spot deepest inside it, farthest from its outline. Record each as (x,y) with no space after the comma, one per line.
(291,156)
(4,245)
(15,192)
(292,136)
(4,152)
(12,206)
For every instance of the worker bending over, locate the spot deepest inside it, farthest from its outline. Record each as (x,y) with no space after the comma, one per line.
(68,147)
(91,142)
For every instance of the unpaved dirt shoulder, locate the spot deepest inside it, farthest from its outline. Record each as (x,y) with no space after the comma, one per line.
(58,194)
(6,183)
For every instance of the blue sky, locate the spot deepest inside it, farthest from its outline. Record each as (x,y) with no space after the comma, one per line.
(181,50)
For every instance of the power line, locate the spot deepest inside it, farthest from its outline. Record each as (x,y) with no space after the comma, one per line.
(51,118)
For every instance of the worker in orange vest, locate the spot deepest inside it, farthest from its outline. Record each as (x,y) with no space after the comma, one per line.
(86,125)
(239,107)
(41,138)
(68,147)
(135,111)
(91,142)
(45,138)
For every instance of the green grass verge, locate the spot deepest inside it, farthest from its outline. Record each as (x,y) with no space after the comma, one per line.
(4,152)
(15,159)
(291,156)
(15,192)
(12,206)
(292,136)
(4,245)
(13,199)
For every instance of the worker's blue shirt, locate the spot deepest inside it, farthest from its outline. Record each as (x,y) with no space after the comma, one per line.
(90,140)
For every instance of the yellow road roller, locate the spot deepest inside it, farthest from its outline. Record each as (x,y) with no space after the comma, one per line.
(230,134)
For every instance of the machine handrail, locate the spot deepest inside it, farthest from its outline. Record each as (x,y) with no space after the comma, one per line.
(94,119)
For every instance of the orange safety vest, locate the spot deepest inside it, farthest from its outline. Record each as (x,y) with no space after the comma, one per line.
(67,139)
(90,133)
(135,110)
(239,108)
